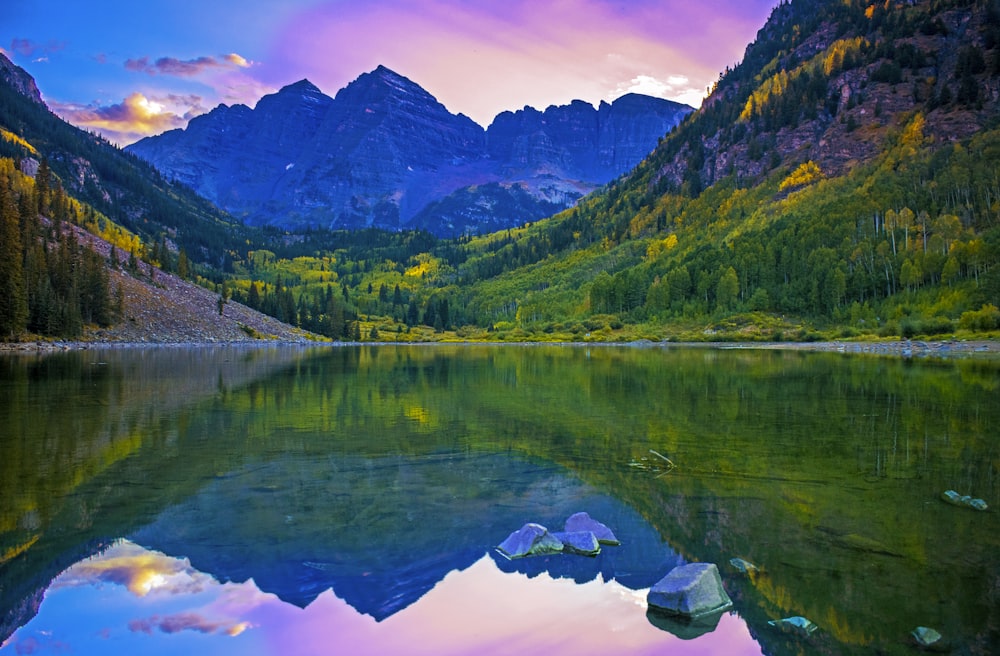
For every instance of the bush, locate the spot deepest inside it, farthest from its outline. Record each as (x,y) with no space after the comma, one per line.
(889,329)
(936,326)
(984,319)
(909,328)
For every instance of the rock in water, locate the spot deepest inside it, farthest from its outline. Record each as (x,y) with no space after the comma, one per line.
(530,540)
(582,522)
(797,625)
(690,591)
(583,543)
(743,566)
(956,499)
(925,637)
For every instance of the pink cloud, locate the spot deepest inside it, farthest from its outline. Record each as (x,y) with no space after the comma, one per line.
(186,622)
(185,68)
(482,58)
(29,48)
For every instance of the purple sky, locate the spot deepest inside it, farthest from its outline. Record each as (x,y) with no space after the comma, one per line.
(129,69)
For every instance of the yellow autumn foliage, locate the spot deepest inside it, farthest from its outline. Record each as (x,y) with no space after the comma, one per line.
(807,173)
(16,139)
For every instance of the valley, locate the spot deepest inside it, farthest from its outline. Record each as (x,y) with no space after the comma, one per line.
(839,183)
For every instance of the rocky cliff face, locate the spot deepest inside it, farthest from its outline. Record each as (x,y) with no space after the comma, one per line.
(19,80)
(386,153)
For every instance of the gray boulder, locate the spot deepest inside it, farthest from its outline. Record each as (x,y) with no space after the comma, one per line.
(690,591)
(530,540)
(582,522)
(583,543)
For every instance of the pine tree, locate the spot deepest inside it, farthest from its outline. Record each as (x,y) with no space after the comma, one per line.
(43,182)
(13,295)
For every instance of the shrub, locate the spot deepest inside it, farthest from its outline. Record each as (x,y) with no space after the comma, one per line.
(936,326)
(983,319)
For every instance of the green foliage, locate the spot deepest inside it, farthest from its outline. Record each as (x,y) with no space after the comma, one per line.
(984,319)
(52,284)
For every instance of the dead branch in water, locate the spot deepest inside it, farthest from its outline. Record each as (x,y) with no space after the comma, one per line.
(669,462)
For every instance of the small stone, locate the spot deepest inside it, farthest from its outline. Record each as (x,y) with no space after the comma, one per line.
(978,504)
(582,521)
(924,636)
(530,540)
(743,566)
(966,501)
(690,591)
(952,497)
(797,625)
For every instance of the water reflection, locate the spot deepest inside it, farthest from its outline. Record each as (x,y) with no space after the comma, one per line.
(151,603)
(383,531)
(369,482)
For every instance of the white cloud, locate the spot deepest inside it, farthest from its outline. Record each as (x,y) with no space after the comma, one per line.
(675,87)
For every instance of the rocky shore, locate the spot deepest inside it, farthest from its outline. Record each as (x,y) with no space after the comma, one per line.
(903,348)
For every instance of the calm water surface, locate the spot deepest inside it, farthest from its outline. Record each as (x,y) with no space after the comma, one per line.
(348,500)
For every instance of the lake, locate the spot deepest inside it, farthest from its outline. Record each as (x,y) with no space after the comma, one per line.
(318,500)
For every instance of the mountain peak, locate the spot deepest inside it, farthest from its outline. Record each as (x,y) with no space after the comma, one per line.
(386,76)
(302,87)
(19,79)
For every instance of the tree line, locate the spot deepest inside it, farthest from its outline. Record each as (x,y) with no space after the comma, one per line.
(50,284)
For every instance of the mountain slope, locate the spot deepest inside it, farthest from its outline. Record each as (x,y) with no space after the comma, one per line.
(843,174)
(115,183)
(830,81)
(385,151)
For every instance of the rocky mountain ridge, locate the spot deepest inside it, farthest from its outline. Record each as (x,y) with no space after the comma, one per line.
(19,80)
(834,83)
(384,151)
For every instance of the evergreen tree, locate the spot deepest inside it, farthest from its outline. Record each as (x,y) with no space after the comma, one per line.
(43,182)
(13,295)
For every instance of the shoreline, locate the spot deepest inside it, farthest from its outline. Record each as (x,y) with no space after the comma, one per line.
(898,348)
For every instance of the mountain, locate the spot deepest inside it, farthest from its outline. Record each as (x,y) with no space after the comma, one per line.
(385,153)
(120,186)
(832,83)
(839,182)
(18,79)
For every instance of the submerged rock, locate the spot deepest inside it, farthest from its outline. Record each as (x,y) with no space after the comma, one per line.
(690,591)
(530,540)
(581,521)
(966,501)
(743,566)
(797,625)
(925,636)
(583,543)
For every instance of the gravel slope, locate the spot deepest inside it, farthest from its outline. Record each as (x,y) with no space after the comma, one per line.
(161,308)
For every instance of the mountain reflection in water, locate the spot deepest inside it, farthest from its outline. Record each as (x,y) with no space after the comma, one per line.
(288,500)
(132,600)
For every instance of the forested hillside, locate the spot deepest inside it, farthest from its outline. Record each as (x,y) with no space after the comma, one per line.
(843,173)
(112,182)
(841,181)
